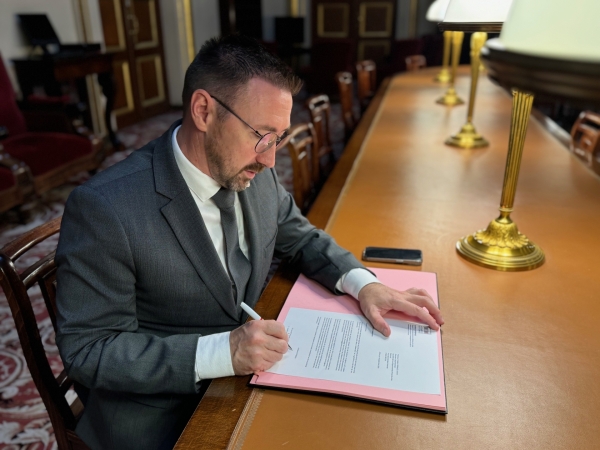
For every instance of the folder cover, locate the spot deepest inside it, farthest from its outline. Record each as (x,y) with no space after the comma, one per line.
(413,379)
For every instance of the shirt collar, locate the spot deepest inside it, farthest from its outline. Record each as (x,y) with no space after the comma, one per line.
(199,183)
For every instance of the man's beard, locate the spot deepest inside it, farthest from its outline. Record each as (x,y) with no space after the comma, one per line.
(220,164)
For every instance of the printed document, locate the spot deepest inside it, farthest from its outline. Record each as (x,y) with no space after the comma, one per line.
(346,348)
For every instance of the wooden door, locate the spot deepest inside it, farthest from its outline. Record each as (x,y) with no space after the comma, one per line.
(132,32)
(368,25)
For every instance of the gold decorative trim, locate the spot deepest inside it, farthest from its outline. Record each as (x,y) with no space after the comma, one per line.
(127,87)
(189,28)
(363,44)
(153,29)
(120,31)
(294,8)
(412,24)
(159,80)
(362,20)
(345,10)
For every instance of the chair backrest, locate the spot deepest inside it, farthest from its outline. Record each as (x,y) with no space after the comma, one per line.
(10,115)
(16,287)
(301,141)
(320,114)
(585,136)
(415,62)
(366,78)
(344,82)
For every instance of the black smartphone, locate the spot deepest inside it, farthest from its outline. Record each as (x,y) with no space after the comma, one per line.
(393,255)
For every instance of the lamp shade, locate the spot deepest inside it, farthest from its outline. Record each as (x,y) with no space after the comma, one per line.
(475,15)
(554,29)
(437,10)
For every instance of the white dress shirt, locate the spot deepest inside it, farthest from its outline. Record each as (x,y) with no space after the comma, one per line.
(213,356)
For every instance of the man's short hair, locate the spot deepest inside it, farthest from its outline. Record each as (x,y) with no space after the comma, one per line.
(224,65)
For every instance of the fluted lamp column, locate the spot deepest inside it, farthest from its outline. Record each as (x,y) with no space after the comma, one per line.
(501,246)
(450,98)
(554,57)
(436,13)
(479,17)
(468,137)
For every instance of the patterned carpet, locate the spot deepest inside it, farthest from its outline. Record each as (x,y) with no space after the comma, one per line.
(24,423)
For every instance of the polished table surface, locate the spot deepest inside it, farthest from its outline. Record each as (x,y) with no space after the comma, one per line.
(521,349)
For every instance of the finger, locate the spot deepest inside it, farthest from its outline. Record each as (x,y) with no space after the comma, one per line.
(427,302)
(377,321)
(275,329)
(423,314)
(276,345)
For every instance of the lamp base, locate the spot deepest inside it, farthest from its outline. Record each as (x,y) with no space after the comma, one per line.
(501,247)
(443,76)
(450,98)
(467,137)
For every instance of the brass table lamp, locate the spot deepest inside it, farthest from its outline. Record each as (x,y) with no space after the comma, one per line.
(444,75)
(478,17)
(450,98)
(435,13)
(554,59)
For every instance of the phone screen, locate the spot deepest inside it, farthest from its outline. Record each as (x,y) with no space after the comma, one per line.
(397,255)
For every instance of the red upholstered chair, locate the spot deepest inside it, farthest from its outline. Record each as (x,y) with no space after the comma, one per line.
(52,157)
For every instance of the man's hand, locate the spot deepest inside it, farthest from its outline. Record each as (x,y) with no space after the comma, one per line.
(257,345)
(377,299)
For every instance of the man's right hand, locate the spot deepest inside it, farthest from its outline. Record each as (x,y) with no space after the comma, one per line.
(257,345)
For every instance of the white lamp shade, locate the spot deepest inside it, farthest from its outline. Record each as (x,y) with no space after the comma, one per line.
(477,11)
(437,10)
(554,28)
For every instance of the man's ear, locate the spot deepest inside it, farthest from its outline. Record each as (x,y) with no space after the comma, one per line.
(201,109)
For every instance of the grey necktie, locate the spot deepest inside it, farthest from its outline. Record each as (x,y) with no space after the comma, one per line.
(238,265)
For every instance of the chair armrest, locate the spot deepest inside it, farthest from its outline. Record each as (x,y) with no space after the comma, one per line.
(20,170)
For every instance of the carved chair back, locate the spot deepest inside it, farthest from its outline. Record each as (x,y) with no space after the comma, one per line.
(17,286)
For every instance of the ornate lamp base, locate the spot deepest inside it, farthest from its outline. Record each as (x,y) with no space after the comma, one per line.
(467,137)
(443,76)
(450,98)
(500,246)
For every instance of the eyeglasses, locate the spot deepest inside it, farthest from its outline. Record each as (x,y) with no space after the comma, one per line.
(265,141)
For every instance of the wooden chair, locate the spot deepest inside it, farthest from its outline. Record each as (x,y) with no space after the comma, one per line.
(344,82)
(415,62)
(585,137)
(320,113)
(301,141)
(16,285)
(366,78)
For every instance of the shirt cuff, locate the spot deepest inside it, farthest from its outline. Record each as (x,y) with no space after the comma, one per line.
(213,357)
(353,281)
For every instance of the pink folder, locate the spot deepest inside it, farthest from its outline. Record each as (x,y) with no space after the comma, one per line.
(308,294)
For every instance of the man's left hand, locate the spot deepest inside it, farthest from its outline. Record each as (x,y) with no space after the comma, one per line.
(377,299)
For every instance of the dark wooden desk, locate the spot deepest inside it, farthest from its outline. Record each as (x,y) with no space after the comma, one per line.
(50,71)
(521,353)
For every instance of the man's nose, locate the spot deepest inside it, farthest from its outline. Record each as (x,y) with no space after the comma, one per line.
(267,158)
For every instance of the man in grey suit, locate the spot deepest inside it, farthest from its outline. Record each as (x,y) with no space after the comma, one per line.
(157,253)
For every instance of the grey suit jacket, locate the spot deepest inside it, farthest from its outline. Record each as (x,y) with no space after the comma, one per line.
(139,280)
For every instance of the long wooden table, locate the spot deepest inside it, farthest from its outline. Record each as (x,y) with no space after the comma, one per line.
(521,352)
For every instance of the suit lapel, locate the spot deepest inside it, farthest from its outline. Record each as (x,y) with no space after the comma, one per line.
(186,222)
